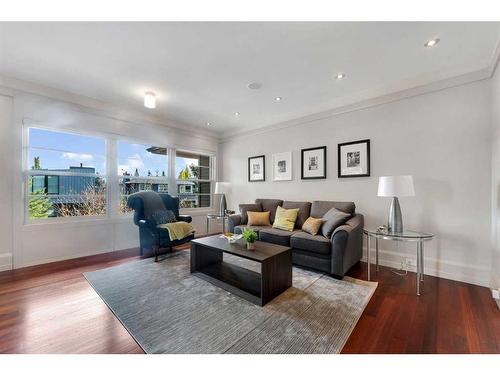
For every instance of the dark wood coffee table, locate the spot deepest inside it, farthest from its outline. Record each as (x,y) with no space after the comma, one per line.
(259,288)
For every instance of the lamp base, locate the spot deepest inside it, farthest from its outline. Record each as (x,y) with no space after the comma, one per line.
(395,220)
(223,206)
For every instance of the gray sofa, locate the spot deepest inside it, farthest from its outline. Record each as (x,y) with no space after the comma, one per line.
(334,255)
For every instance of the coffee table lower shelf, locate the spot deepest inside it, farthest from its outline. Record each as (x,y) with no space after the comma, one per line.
(235,279)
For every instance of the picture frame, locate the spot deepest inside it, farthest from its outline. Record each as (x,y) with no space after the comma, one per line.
(257,168)
(354,159)
(313,163)
(282,166)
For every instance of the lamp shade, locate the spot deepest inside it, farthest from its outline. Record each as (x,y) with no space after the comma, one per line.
(396,186)
(222,188)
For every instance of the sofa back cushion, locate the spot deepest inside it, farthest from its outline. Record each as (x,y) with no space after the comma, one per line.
(304,211)
(244,208)
(258,218)
(319,208)
(269,205)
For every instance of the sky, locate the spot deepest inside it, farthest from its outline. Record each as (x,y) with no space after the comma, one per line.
(62,150)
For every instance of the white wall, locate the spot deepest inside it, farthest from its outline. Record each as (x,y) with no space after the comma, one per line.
(495,172)
(5,183)
(441,138)
(40,243)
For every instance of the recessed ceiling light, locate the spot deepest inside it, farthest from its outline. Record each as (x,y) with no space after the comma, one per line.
(340,76)
(432,42)
(209,124)
(150,100)
(278,98)
(236,114)
(254,86)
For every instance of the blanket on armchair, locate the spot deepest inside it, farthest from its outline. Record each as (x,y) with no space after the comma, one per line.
(178,230)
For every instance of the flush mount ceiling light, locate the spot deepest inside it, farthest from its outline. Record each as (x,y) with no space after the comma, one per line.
(254,85)
(150,100)
(340,76)
(236,114)
(209,124)
(278,98)
(431,43)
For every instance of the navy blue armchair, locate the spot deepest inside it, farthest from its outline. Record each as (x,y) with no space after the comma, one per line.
(151,238)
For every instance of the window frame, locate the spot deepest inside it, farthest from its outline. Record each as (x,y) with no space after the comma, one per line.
(111,175)
(27,173)
(211,180)
(158,179)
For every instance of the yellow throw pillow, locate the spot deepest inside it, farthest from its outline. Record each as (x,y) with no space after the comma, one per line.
(258,218)
(285,219)
(312,225)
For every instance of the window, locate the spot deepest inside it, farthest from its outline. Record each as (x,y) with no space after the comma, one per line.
(141,167)
(66,175)
(194,179)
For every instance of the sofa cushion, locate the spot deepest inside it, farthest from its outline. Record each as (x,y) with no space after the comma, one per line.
(319,208)
(305,241)
(239,228)
(269,205)
(304,211)
(244,208)
(285,219)
(258,218)
(276,236)
(332,219)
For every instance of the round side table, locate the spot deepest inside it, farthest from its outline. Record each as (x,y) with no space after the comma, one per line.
(405,236)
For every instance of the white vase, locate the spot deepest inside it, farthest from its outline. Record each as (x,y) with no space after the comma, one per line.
(250,245)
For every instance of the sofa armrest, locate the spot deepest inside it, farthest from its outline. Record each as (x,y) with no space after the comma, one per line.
(347,245)
(185,218)
(232,221)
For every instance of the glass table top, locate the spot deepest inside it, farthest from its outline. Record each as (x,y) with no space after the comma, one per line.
(404,234)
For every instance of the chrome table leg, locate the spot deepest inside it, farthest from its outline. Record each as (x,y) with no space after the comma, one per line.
(422,260)
(418,268)
(376,252)
(368,254)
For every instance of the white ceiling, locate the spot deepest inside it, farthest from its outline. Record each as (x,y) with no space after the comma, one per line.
(200,71)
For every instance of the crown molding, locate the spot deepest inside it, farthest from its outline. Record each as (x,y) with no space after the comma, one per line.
(370,99)
(9,86)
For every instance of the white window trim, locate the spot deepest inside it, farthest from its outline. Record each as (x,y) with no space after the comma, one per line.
(111,176)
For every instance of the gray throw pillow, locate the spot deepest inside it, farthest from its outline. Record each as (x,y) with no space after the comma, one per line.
(163,217)
(332,219)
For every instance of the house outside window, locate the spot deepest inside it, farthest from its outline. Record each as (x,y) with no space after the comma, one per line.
(65,175)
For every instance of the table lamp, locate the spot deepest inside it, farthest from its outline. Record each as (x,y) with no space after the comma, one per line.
(222,188)
(395,186)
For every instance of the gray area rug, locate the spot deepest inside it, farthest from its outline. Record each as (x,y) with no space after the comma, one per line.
(167,310)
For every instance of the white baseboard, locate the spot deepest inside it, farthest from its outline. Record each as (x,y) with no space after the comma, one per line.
(5,262)
(436,267)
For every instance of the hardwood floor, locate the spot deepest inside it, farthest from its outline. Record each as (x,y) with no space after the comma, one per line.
(52,309)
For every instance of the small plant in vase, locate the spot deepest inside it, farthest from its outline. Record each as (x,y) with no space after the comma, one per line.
(250,237)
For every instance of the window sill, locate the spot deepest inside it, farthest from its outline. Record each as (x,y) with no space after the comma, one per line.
(74,222)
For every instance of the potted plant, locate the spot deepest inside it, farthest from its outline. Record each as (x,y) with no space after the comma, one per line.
(250,237)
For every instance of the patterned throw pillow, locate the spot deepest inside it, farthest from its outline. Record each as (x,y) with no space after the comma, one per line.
(163,217)
(285,219)
(312,225)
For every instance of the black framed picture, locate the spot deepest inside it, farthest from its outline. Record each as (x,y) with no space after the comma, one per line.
(313,163)
(354,159)
(257,168)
